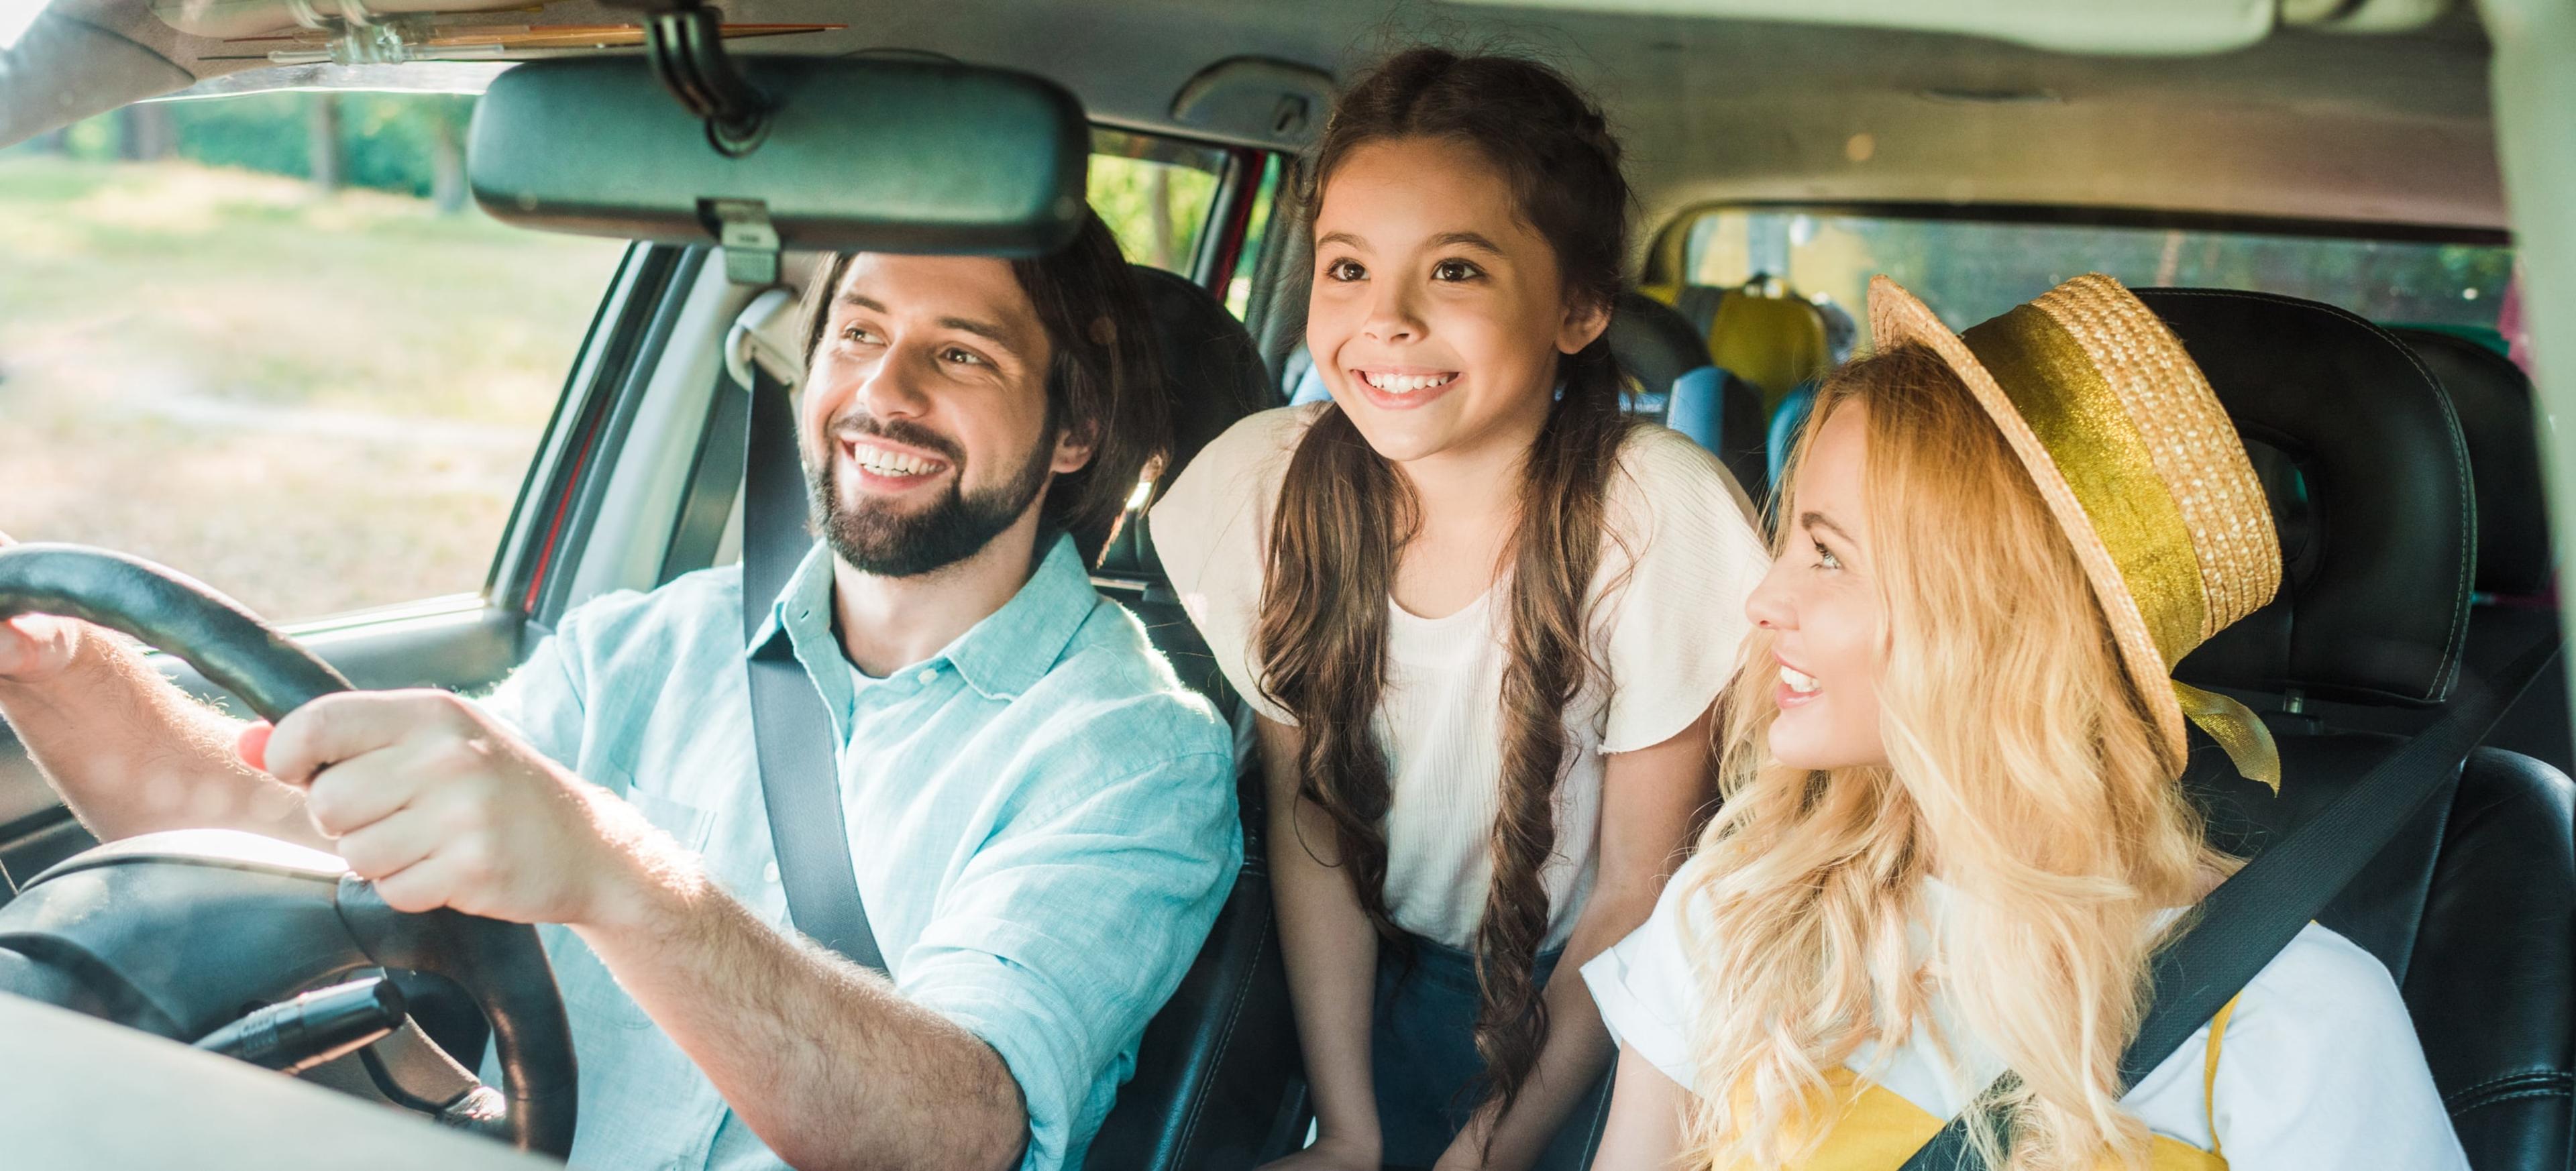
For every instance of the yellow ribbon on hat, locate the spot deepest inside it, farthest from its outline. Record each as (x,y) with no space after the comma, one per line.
(2059,391)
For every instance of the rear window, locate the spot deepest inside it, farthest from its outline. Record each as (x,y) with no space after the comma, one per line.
(1969,270)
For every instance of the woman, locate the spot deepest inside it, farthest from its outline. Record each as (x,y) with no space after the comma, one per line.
(1480,616)
(1953,834)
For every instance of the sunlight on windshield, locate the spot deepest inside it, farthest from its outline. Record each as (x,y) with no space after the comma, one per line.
(16,17)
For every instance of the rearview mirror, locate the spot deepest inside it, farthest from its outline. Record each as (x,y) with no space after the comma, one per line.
(871,155)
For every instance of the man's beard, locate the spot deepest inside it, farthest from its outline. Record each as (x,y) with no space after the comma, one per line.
(957,526)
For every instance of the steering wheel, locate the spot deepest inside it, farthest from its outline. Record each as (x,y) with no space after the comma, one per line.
(176,932)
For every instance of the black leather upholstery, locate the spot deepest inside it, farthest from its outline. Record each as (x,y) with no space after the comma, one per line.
(2517,599)
(2492,398)
(1214,369)
(2490,983)
(2379,593)
(2473,906)
(1654,343)
(1213,375)
(1218,1084)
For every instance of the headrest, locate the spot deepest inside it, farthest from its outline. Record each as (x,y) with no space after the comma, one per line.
(2369,485)
(1653,342)
(1211,369)
(2492,398)
(1775,343)
(1212,376)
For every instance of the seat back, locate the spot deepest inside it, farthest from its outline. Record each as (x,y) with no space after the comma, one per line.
(2473,906)
(2516,602)
(1677,385)
(1218,1083)
(1763,334)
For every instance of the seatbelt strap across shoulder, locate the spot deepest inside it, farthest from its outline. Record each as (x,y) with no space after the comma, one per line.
(800,779)
(2256,913)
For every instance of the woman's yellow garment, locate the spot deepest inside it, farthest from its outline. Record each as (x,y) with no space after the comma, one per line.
(1878,1129)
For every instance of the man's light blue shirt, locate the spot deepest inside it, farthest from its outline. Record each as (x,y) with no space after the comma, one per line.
(1041,817)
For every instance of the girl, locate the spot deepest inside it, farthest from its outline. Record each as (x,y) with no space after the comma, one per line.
(1475,611)
(1953,833)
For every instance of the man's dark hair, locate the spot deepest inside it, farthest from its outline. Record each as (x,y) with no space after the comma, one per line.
(1104,381)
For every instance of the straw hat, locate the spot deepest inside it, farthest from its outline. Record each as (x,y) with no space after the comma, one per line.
(2141,466)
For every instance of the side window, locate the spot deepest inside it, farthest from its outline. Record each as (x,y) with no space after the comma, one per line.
(267,340)
(1156,194)
(1968,270)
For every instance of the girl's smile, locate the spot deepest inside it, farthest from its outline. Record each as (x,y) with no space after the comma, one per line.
(1402,388)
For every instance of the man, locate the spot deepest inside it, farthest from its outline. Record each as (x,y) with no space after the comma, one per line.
(1041,819)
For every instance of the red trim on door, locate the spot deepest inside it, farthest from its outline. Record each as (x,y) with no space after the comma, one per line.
(1238,219)
(568,486)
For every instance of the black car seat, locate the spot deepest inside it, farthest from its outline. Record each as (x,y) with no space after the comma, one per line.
(2516,602)
(2473,906)
(1677,385)
(1213,376)
(1218,1084)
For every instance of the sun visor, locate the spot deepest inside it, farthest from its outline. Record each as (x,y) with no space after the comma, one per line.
(234,19)
(848,155)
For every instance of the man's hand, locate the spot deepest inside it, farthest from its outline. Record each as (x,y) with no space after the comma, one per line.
(442,807)
(34,648)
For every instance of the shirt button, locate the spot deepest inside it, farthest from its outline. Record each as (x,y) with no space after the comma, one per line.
(928,675)
(769,873)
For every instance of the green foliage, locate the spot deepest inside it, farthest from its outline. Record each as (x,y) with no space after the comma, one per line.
(256,132)
(1155,194)
(93,139)
(387,141)
(1156,210)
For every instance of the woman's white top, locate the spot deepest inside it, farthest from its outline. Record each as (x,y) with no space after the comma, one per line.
(2319,1068)
(1681,559)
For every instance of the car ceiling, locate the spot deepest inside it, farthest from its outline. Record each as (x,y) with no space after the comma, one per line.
(2307,125)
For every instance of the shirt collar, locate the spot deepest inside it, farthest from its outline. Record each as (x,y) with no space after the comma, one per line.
(1000,657)
(1015,646)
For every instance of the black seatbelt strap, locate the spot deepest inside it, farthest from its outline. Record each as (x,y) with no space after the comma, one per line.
(800,781)
(715,481)
(2252,916)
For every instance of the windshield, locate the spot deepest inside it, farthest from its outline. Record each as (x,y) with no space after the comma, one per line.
(269,339)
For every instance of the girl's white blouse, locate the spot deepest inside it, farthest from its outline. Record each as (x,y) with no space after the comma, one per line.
(1668,614)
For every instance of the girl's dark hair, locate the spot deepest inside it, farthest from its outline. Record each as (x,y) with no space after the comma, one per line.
(1104,378)
(1344,516)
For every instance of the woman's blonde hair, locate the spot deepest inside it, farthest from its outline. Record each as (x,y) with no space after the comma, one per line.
(2023,769)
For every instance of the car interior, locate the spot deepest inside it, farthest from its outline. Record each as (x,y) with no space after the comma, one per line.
(2407,461)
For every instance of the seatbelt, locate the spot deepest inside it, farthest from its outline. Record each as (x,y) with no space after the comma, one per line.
(715,480)
(800,781)
(2252,916)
